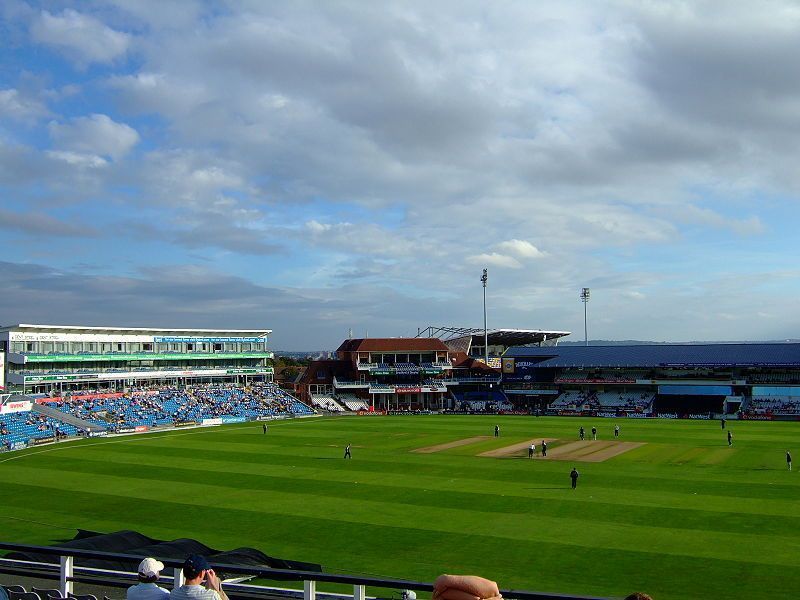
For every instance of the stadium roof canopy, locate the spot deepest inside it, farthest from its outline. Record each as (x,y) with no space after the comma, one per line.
(662,355)
(497,337)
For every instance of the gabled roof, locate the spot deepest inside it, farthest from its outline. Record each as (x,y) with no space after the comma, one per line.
(662,355)
(393,345)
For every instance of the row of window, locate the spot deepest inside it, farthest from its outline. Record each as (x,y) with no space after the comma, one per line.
(130,347)
(393,358)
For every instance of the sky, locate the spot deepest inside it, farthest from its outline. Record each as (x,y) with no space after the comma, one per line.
(316,167)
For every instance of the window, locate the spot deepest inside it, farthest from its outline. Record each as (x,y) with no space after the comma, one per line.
(217,347)
(29,347)
(189,347)
(119,346)
(147,347)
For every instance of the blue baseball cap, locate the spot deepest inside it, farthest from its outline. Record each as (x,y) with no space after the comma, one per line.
(194,565)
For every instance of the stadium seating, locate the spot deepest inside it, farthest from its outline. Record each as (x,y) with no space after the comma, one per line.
(482,401)
(406,368)
(353,402)
(579,376)
(639,402)
(608,401)
(24,426)
(773,378)
(570,400)
(776,405)
(326,402)
(166,406)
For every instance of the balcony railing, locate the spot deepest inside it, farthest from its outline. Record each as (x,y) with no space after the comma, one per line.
(338,383)
(66,573)
(128,356)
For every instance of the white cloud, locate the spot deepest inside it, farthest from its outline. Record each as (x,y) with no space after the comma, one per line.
(96,135)
(521,248)
(410,146)
(751,225)
(15,105)
(495,260)
(82,37)
(364,239)
(77,159)
(317,227)
(634,295)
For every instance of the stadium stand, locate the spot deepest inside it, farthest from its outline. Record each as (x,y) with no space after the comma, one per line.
(482,401)
(352,402)
(168,406)
(573,400)
(581,376)
(621,401)
(51,419)
(775,405)
(348,397)
(326,402)
(24,426)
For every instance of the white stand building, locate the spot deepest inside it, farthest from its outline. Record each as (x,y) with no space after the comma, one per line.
(55,359)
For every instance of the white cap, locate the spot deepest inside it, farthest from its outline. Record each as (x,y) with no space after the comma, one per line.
(150,567)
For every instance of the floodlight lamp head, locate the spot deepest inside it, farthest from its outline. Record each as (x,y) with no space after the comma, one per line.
(585,292)
(485,277)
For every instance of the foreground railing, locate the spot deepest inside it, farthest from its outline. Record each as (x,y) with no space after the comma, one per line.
(66,573)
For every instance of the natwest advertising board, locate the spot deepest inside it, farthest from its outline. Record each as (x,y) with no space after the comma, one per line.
(15,407)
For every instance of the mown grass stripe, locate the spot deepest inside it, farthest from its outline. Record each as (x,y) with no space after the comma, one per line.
(515,499)
(667,517)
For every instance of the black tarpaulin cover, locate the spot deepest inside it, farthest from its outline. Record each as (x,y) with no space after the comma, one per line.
(133,542)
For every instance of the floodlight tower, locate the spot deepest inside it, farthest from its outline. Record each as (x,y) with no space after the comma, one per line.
(484,279)
(585,300)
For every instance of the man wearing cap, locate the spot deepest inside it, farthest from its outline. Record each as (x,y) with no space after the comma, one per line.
(201,581)
(147,589)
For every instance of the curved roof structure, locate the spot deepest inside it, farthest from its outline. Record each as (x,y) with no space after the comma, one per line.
(497,337)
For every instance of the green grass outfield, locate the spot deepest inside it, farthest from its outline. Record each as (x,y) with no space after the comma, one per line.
(682,516)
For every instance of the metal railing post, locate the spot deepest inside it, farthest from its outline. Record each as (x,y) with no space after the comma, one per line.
(359,592)
(309,589)
(177,578)
(65,575)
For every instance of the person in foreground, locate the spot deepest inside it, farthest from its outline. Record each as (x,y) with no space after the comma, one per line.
(472,587)
(201,581)
(464,587)
(146,589)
